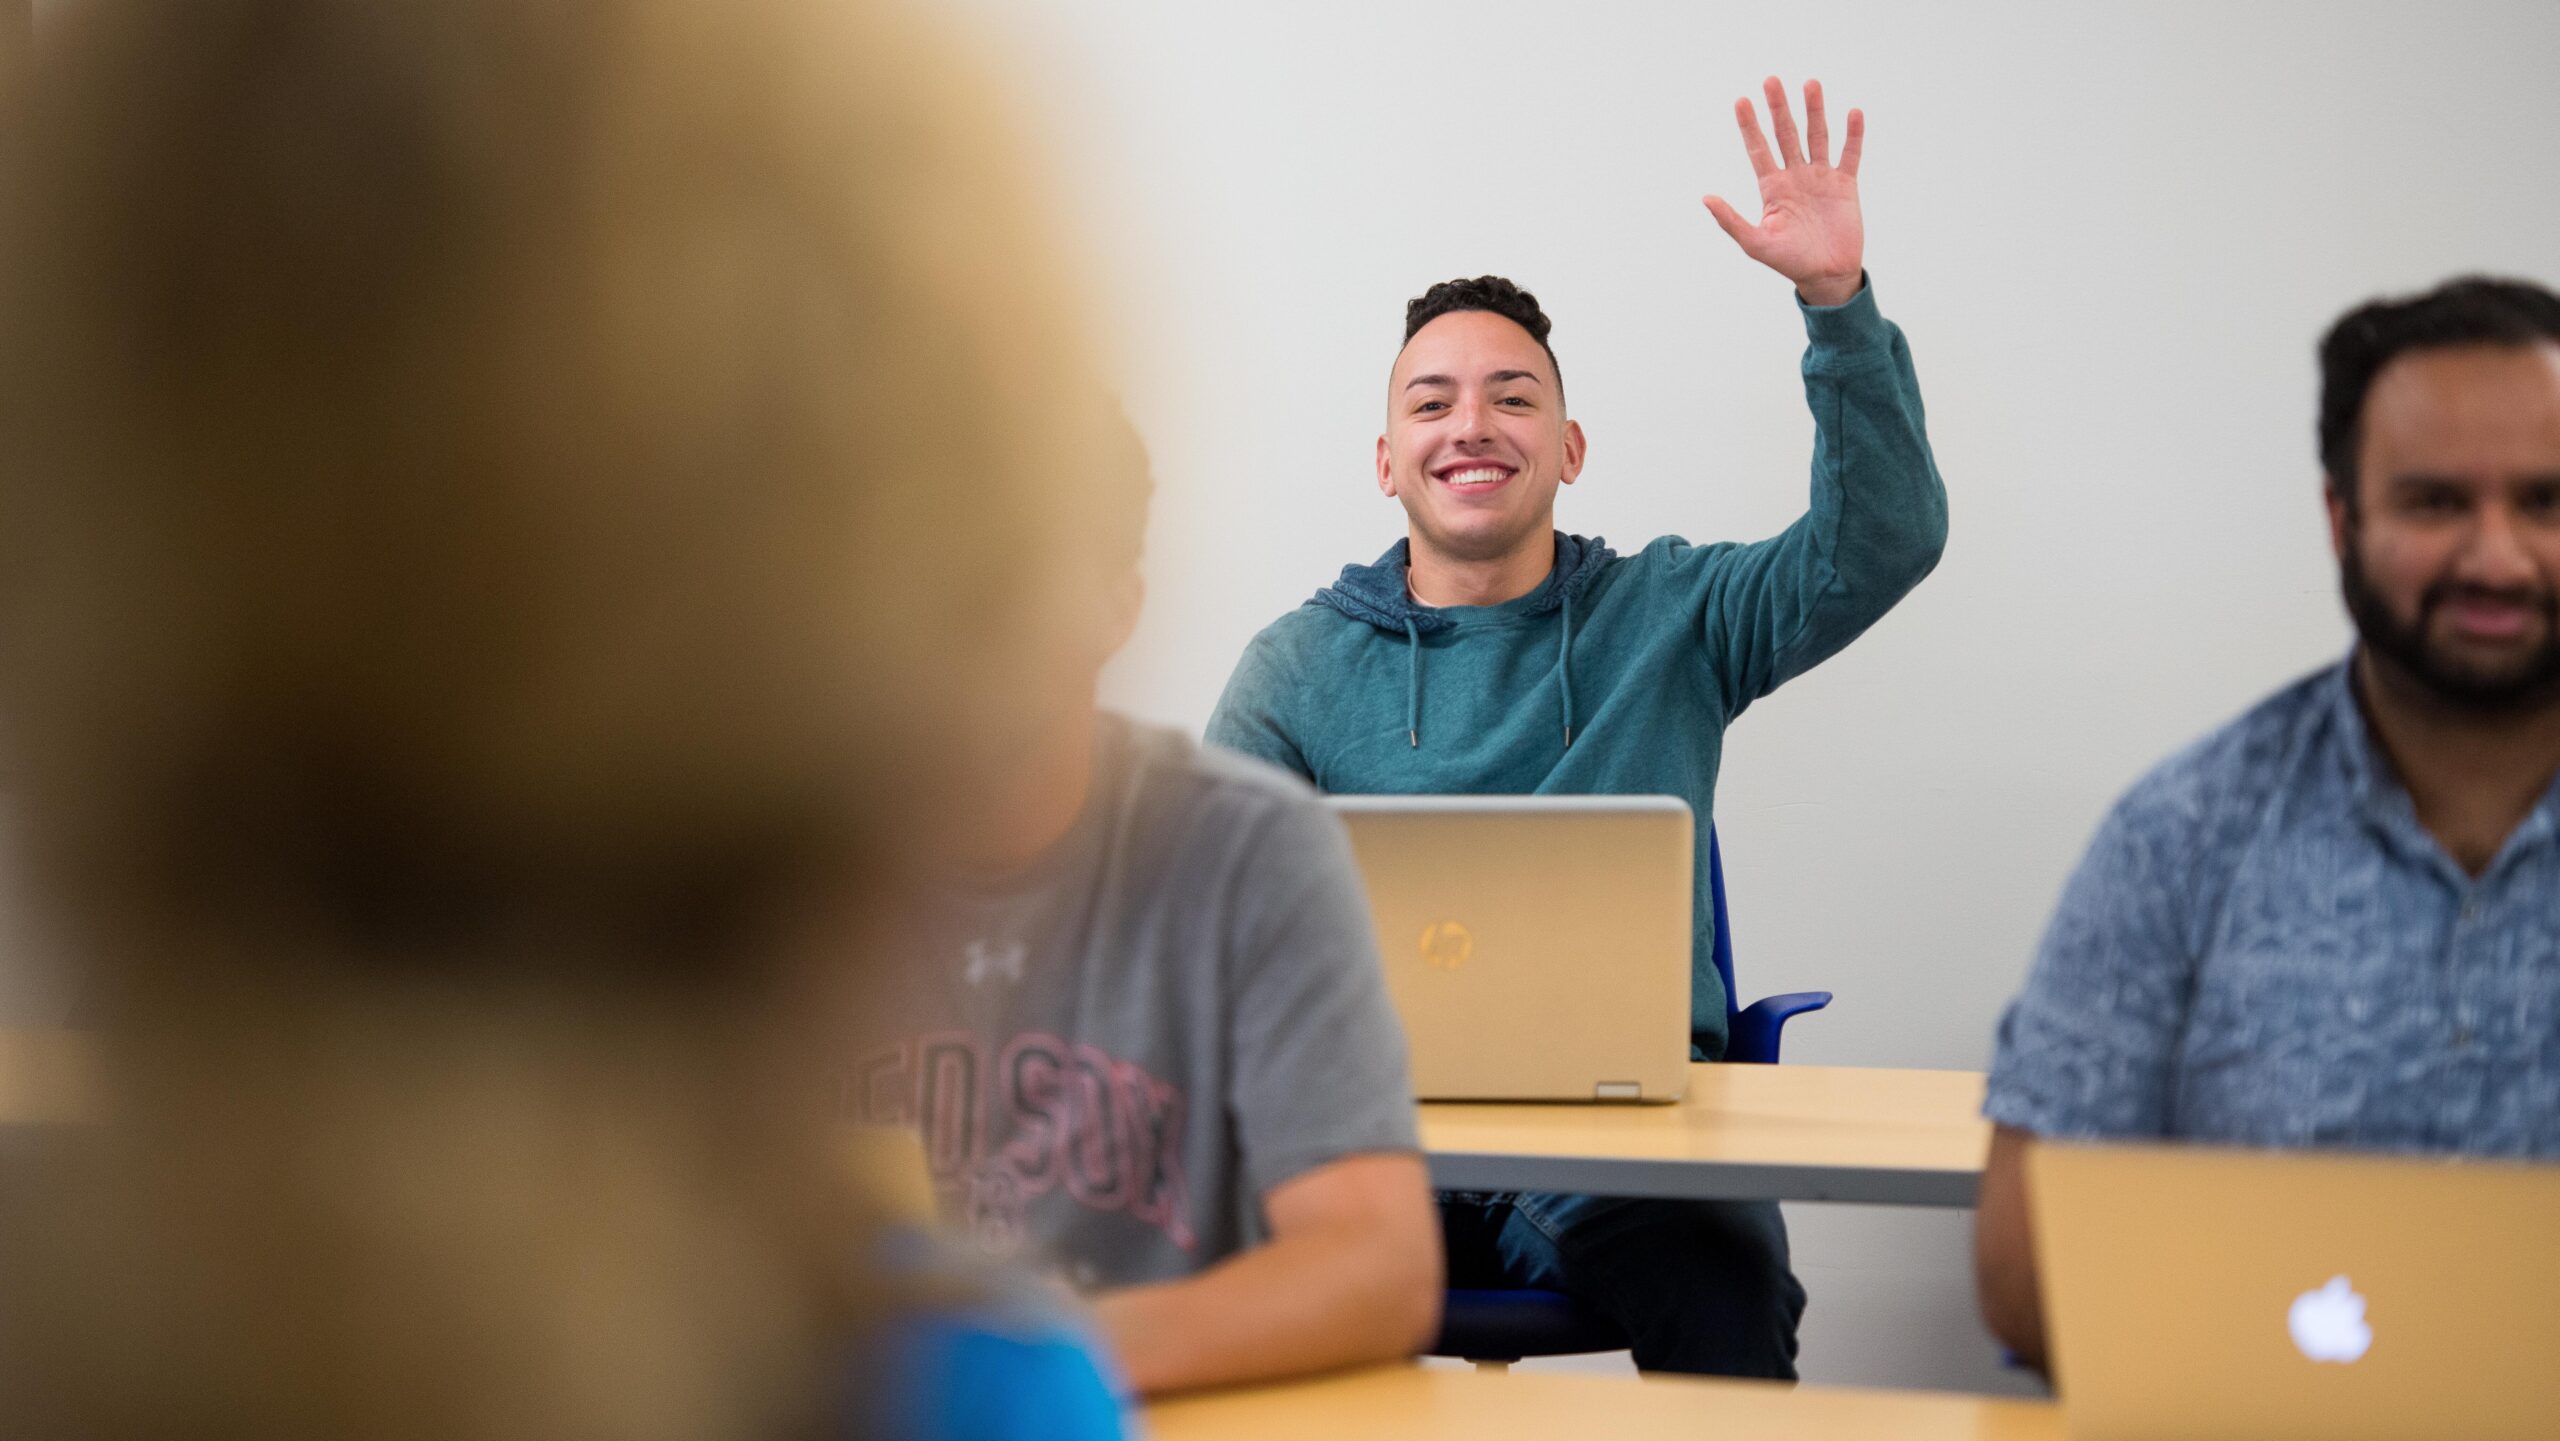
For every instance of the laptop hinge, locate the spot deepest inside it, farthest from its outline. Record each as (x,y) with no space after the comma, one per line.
(1618,1091)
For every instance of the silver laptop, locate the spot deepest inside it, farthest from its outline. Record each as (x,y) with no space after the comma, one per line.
(2203,1294)
(1537,947)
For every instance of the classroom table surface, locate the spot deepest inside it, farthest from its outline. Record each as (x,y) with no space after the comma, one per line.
(1742,1133)
(1414,1403)
(1798,1133)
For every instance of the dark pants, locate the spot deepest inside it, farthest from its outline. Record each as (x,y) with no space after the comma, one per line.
(1696,1286)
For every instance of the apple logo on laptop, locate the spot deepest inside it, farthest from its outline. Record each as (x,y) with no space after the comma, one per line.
(2328,1324)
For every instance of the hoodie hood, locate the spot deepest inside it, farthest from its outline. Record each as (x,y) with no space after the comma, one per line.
(1375,594)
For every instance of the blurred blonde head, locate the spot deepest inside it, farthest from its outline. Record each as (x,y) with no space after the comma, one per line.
(516,517)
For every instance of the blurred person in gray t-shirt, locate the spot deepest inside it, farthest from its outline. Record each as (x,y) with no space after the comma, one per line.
(1146,1038)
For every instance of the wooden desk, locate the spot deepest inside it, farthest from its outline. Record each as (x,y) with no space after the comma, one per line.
(1785,1133)
(1743,1133)
(1410,1402)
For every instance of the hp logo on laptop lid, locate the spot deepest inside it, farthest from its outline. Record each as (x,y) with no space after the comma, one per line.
(1446,945)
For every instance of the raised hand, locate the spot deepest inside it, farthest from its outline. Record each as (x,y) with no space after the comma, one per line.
(1810,229)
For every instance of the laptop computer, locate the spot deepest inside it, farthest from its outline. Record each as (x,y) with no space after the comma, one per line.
(1537,947)
(2205,1294)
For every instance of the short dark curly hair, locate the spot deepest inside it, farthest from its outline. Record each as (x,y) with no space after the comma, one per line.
(1485,292)
(2472,310)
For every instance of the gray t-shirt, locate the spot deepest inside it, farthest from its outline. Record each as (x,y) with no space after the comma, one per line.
(1113,1055)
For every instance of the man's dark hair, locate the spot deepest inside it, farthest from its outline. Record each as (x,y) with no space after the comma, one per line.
(2473,310)
(1485,292)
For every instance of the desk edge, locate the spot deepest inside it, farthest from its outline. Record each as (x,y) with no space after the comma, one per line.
(1704,1180)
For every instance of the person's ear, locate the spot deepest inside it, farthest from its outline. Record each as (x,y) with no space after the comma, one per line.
(2341,519)
(1574,445)
(1386,470)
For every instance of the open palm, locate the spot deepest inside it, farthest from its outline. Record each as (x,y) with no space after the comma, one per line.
(1810,228)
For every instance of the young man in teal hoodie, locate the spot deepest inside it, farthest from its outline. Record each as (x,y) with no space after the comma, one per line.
(1489,653)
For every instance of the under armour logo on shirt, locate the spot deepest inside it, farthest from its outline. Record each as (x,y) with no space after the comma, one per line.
(987,961)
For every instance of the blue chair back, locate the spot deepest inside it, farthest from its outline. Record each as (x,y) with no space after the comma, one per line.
(1752,1032)
(1723,918)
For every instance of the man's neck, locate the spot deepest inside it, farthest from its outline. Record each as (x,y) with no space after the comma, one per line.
(2473,778)
(1046,793)
(1439,581)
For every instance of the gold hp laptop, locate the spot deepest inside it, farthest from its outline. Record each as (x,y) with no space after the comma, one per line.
(2203,1294)
(1537,947)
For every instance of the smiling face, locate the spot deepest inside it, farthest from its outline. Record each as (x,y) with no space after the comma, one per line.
(1477,440)
(2450,555)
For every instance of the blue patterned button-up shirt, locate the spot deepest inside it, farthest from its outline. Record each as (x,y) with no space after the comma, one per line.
(2264,947)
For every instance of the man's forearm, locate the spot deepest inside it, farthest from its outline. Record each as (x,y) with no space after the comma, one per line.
(1875,524)
(1874,473)
(2004,1262)
(1300,1304)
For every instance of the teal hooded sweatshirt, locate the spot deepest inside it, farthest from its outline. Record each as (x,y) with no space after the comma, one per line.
(1618,674)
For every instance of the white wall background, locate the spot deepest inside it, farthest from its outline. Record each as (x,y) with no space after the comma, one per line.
(2112,235)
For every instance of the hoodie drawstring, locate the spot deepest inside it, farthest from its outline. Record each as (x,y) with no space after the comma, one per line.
(1413,691)
(1413,673)
(1380,595)
(1564,667)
